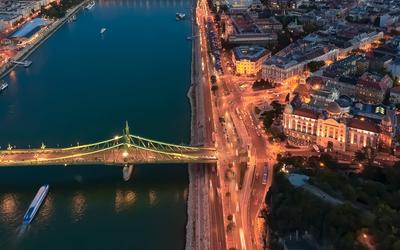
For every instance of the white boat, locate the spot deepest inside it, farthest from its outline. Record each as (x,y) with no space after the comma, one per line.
(90,5)
(103,30)
(3,86)
(35,204)
(180,16)
(27,63)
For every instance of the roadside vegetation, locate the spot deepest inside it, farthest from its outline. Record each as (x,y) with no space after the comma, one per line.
(371,204)
(59,10)
(262,84)
(271,123)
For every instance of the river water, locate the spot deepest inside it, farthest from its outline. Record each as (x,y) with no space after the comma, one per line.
(81,88)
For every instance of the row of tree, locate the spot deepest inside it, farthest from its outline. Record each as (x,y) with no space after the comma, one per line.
(374,192)
(58,10)
(263,84)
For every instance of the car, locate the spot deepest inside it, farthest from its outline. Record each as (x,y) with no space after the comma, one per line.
(265,174)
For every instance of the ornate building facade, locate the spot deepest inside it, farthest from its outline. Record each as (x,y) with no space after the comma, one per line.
(335,129)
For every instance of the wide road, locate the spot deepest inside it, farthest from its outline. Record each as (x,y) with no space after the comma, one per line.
(215,212)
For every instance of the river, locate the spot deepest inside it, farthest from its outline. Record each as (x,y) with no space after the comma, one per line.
(81,88)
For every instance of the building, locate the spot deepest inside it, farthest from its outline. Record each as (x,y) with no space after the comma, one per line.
(335,129)
(395,69)
(268,24)
(290,62)
(13,12)
(352,65)
(395,95)
(371,88)
(242,29)
(248,60)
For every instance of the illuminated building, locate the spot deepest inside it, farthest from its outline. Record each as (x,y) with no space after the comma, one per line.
(395,95)
(291,61)
(371,88)
(335,129)
(243,29)
(249,59)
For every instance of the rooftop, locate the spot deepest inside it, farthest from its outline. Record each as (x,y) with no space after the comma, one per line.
(363,123)
(251,53)
(309,113)
(244,24)
(374,81)
(298,52)
(29,28)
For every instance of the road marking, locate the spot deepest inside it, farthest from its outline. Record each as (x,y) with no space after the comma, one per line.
(242,240)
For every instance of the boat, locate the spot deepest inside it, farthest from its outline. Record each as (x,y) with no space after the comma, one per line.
(35,204)
(102,30)
(3,86)
(90,5)
(180,16)
(27,63)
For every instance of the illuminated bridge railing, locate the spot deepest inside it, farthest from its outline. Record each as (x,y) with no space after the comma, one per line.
(125,149)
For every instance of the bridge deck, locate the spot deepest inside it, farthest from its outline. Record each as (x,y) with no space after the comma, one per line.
(116,155)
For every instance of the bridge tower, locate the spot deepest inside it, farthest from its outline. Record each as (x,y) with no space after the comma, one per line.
(127,133)
(128,168)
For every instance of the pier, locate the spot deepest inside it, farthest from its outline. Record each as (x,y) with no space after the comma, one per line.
(25,63)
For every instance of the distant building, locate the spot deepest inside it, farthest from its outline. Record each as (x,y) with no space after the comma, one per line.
(248,60)
(371,88)
(270,24)
(291,61)
(395,69)
(352,65)
(395,95)
(12,12)
(243,29)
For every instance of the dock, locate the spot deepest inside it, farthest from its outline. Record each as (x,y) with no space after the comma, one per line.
(25,63)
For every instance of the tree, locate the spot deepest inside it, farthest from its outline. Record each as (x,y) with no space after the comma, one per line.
(287,98)
(269,117)
(359,155)
(262,84)
(315,65)
(370,154)
(309,28)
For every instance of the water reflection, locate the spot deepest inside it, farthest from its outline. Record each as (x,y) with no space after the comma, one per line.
(185,194)
(46,210)
(8,207)
(148,4)
(78,206)
(153,198)
(13,76)
(124,199)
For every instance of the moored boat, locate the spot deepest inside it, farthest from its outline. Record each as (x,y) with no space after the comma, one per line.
(180,16)
(90,5)
(3,86)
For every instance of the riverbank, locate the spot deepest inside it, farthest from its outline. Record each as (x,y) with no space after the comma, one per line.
(197,203)
(28,50)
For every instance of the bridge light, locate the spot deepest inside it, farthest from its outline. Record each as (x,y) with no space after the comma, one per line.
(125,154)
(116,137)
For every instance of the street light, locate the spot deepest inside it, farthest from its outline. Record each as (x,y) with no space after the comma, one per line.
(125,154)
